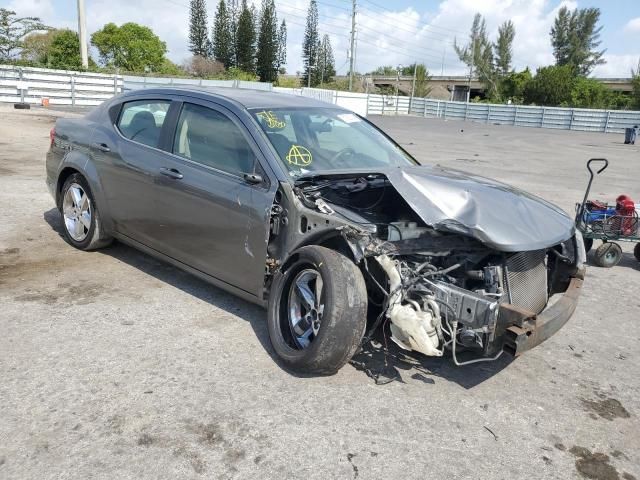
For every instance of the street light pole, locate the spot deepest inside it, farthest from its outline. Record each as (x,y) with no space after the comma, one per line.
(82,34)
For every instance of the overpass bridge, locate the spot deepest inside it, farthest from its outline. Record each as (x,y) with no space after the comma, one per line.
(455,87)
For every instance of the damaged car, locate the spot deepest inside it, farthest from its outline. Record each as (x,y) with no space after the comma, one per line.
(316,214)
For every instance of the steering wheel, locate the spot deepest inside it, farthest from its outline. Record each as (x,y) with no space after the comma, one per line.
(337,159)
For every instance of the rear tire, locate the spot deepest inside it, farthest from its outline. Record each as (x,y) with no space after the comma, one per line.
(608,255)
(80,216)
(636,251)
(317,311)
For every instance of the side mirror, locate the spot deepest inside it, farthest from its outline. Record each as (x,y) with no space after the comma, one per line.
(253,178)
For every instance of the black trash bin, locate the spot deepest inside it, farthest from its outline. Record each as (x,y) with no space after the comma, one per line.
(630,135)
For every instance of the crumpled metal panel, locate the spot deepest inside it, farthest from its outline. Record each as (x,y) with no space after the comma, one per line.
(500,216)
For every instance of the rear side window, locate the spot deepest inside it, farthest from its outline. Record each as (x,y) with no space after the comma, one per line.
(210,138)
(142,120)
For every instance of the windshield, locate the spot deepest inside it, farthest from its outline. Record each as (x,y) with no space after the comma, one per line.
(313,139)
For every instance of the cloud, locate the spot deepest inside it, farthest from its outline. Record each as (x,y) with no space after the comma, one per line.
(385,36)
(617,66)
(633,25)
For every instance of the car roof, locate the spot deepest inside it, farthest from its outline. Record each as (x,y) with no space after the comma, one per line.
(242,97)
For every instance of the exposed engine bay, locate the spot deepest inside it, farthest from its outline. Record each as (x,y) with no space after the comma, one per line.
(439,286)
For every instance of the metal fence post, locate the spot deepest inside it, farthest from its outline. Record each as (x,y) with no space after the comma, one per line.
(73,90)
(21,76)
(544,111)
(488,113)
(606,123)
(466,109)
(515,115)
(445,110)
(571,121)
(115,85)
(366,112)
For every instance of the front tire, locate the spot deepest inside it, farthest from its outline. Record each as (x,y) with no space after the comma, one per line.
(317,311)
(80,217)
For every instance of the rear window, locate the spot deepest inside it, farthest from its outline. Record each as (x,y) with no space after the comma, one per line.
(142,120)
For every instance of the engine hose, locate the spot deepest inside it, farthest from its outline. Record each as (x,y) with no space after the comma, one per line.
(454,333)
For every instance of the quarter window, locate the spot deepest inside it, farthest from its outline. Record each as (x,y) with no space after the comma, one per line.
(142,120)
(210,138)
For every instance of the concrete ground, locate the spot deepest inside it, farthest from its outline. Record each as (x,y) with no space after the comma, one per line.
(115,365)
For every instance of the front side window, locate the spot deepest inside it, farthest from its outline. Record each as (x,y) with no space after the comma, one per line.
(142,120)
(210,138)
(313,139)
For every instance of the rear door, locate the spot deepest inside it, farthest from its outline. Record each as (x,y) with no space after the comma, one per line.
(209,216)
(129,156)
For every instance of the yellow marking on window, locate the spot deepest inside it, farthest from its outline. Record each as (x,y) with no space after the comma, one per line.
(299,156)
(272,120)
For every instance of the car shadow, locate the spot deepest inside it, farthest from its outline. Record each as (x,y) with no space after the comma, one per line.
(384,365)
(371,360)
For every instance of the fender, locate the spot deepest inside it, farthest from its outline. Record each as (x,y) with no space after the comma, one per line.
(80,159)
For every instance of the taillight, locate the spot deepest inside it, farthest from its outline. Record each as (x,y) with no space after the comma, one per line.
(52,136)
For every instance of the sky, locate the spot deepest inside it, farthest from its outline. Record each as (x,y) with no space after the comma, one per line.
(389,33)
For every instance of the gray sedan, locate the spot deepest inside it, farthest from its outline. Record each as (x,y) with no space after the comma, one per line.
(313,212)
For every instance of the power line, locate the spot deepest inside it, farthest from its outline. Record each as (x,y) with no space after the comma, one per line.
(437,27)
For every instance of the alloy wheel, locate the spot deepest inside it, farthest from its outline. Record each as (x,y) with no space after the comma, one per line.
(76,209)
(306,307)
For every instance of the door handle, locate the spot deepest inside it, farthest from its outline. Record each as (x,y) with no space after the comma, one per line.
(103,147)
(171,173)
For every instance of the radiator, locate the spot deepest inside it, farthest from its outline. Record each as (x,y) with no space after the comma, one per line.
(525,276)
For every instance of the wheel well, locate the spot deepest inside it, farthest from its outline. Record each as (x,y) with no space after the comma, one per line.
(64,174)
(335,242)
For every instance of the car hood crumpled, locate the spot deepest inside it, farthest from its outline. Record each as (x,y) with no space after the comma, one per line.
(498,215)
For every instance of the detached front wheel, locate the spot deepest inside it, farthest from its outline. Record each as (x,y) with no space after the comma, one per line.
(317,311)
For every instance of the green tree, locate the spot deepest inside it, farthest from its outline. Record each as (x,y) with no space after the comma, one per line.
(246,40)
(504,47)
(575,38)
(513,85)
(590,93)
(385,70)
(326,62)
(64,51)
(551,86)
(13,31)
(36,45)
(267,55)
(310,47)
(199,42)
(478,55)
(635,82)
(282,47)
(222,36)
(131,47)
(423,89)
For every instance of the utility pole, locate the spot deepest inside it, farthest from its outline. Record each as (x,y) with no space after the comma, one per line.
(352,53)
(82,33)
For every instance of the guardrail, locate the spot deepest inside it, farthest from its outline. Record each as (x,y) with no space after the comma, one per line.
(589,120)
(63,87)
(58,87)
